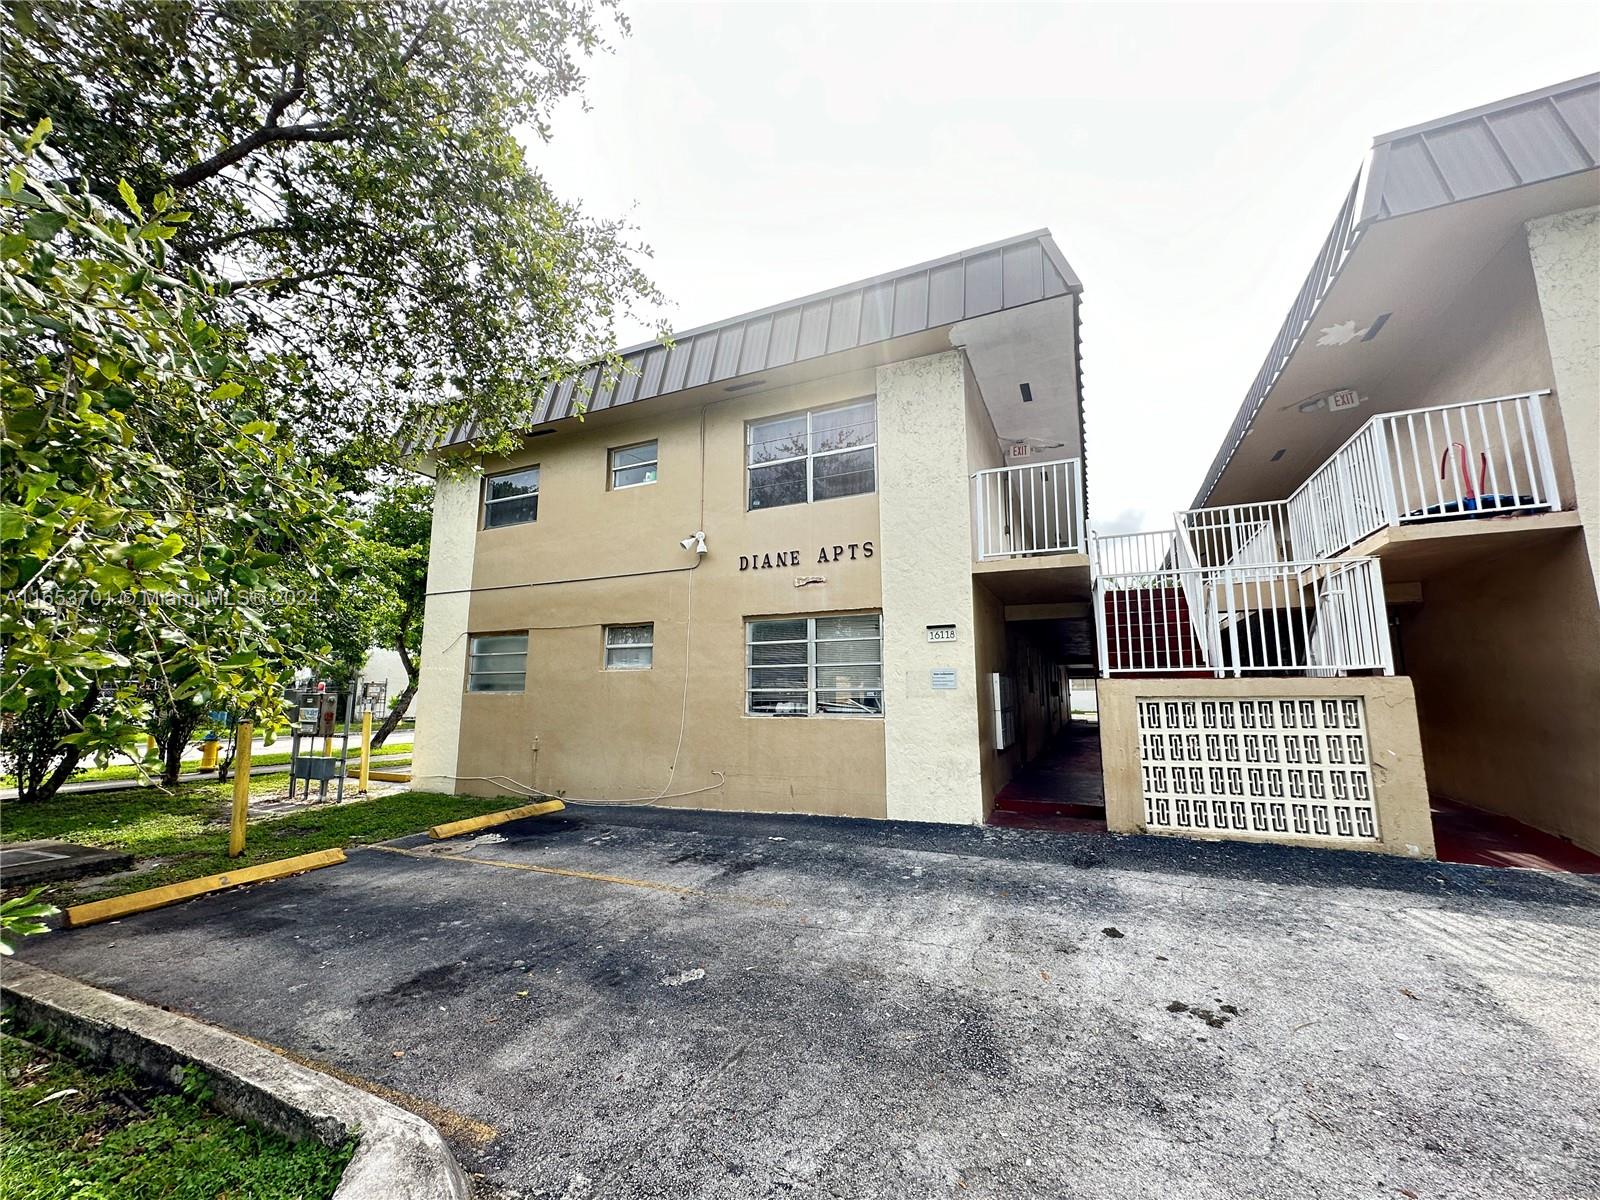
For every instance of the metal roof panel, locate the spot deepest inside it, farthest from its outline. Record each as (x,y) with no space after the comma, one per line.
(753,356)
(728,348)
(785,336)
(985,294)
(911,304)
(1536,143)
(844,322)
(1023,274)
(1469,160)
(946,298)
(813,338)
(1519,141)
(1580,111)
(984,279)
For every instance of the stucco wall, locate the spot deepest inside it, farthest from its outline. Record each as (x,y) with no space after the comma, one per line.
(596,557)
(989,650)
(443,662)
(1491,342)
(1505,655)
(931,735)
(1565,254)
(1399,780)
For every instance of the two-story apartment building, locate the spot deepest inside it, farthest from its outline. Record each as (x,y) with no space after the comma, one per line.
(770,567)
(1431,406)
(831,557)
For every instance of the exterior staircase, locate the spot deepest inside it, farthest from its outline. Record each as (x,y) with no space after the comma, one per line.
(1152,625)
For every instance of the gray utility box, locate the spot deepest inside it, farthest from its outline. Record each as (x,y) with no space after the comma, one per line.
(316,768)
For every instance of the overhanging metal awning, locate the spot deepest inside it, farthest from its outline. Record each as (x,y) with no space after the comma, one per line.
(986,279)
(1517,142)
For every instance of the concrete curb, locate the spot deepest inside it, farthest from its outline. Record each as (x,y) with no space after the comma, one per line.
(398,1154)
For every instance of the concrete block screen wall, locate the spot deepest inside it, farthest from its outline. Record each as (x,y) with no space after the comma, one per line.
(1320,762)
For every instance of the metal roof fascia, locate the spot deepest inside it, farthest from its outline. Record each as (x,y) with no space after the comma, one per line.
(1368,203)
(804,328)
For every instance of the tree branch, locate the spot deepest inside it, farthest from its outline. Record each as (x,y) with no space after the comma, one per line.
(292,93)
(275,281)
(315,131)
(239,235)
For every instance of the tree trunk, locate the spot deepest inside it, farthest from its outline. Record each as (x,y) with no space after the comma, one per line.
(392,721)
(49,786)
(397,710)
(172,736)
(34,783)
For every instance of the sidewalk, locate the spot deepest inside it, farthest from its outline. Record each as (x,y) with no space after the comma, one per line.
(118,785)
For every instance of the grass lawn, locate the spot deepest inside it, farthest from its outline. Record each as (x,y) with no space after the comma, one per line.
(71,1129)
(272,758)
(182,833)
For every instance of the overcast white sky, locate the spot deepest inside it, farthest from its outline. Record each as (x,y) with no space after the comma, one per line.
(1188,158)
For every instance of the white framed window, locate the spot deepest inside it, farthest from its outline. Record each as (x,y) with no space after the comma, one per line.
(511,498)
(820,454)
(630,647)
(633,466)
(815,666)
(497,662)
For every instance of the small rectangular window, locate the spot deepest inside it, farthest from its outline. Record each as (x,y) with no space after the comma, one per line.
(818,455)
(511,498)
(630,647)
(497,662)
(805,666)
(632,466)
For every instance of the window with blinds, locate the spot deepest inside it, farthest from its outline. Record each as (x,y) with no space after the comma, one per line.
(815,666)
(630,647)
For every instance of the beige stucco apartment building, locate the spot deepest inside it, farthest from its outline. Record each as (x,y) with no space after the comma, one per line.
(1433,403)
(834,556)
(827,646)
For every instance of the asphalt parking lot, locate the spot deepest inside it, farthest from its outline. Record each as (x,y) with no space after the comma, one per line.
(675,1004)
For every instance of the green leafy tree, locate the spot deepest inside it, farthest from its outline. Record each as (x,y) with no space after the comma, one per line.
(23,916)
(150,509)
(353,166)
(397,532)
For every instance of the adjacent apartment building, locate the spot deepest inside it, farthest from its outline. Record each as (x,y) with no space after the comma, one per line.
(834,556)
(757,573)
(1432,404)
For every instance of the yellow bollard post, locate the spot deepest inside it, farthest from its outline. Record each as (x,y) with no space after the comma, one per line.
(366,752)
(241,788)
(149,745)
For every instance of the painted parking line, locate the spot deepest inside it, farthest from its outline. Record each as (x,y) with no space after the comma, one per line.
(592,876)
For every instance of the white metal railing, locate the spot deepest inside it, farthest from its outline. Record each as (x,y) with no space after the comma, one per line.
(1131,553)
(1426,464)
(1035,508)
(1320,618)
(1237,535)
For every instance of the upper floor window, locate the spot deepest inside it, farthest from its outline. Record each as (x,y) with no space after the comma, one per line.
(816,455)
(497,662)
(633,465)
(802,666)
(511,498)
(630,647)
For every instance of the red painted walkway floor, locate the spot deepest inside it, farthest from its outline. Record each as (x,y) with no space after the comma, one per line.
(1485,839)
(1061,791)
